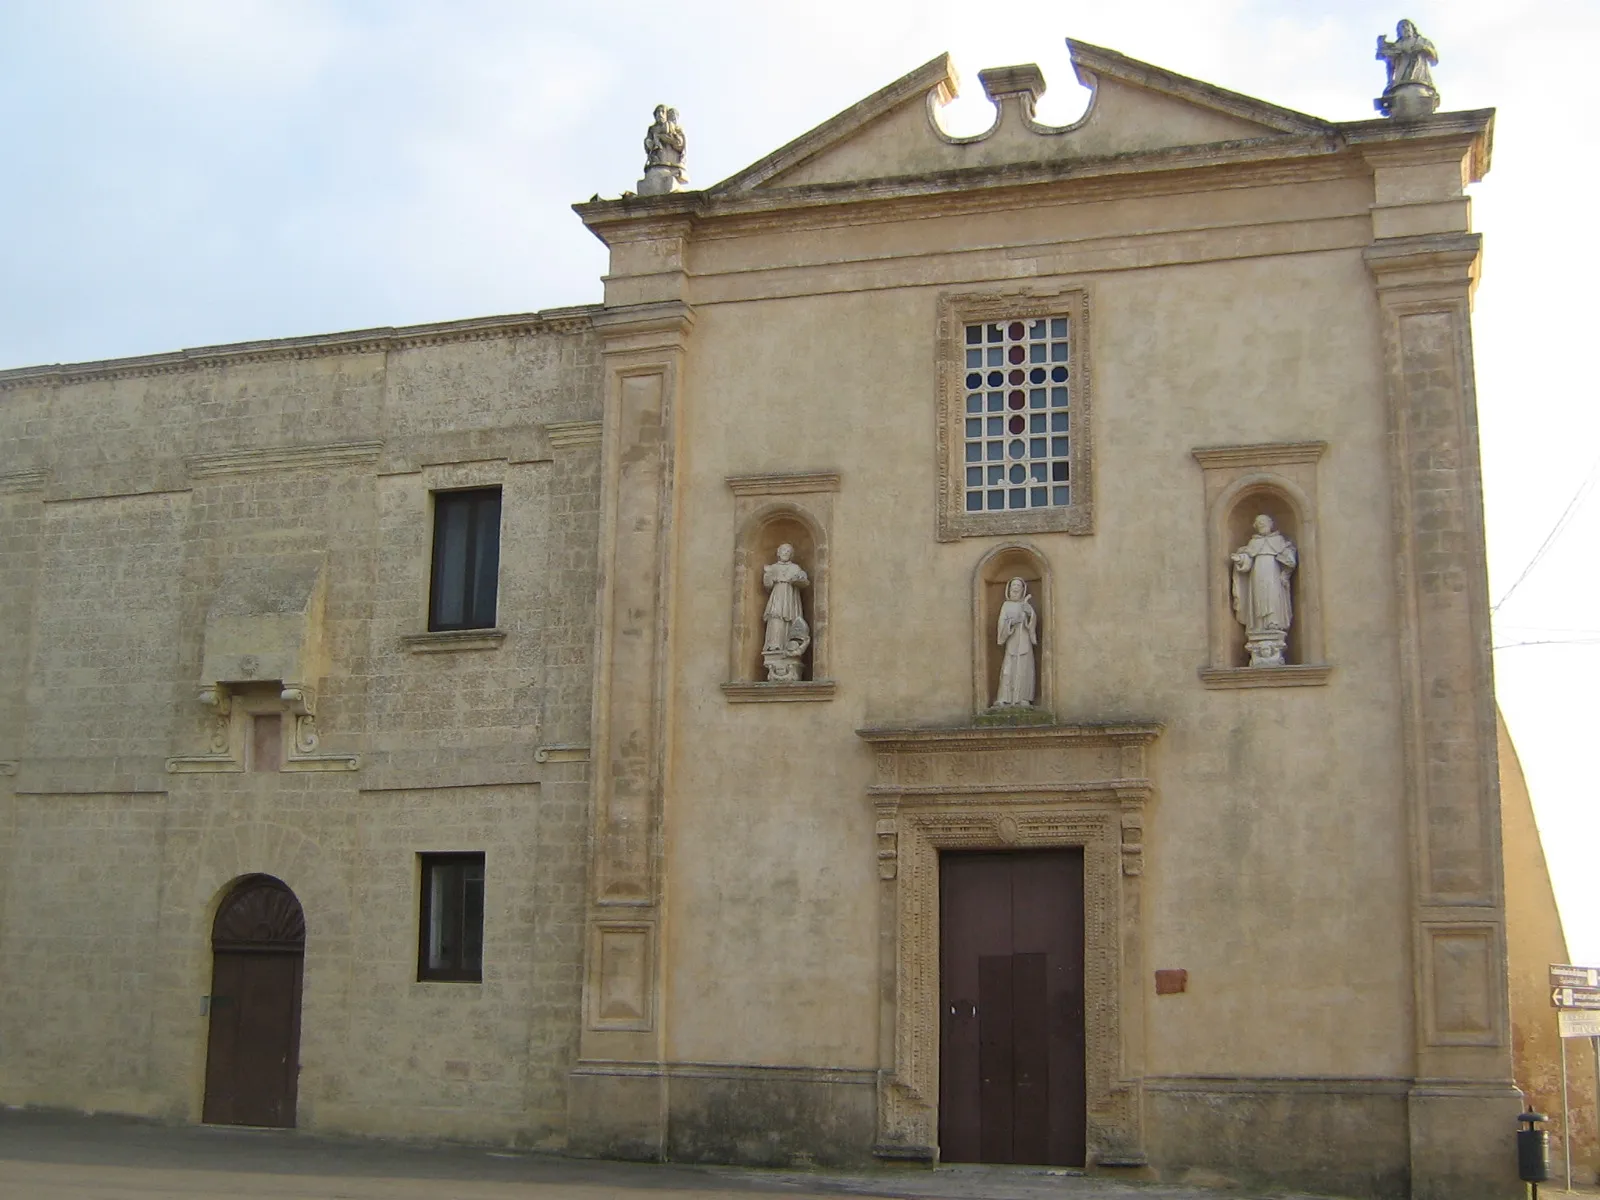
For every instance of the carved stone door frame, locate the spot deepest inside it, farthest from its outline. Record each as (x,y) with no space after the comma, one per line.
(1011,788)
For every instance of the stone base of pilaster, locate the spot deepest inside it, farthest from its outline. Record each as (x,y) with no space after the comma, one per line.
(1463,1142)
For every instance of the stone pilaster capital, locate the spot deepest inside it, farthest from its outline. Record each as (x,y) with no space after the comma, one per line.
(635,328)
(1426,262)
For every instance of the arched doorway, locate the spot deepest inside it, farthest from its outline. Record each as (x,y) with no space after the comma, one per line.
(258,946)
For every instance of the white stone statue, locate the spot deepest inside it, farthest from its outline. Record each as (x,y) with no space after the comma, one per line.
(1410,92)
(1261,571)
(664,146)
(1018,632)
(787,635)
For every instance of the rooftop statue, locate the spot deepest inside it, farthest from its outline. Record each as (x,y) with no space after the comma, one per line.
(664,146)
(1410,93)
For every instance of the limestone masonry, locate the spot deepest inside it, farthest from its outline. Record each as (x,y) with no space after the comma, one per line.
(800,708)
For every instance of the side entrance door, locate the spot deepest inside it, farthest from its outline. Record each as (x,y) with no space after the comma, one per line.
(253,1050)
(1011,1052)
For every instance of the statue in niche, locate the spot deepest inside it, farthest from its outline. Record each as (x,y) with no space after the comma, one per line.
(787,635)
(1261,571)
(664,146)
(1018,632)
(1410,92)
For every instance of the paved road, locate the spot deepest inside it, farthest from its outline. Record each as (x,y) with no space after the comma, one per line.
(54,1156)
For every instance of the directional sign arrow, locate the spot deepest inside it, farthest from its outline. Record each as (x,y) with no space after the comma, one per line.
(1575,997)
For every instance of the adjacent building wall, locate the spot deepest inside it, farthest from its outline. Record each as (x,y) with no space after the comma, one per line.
(1535,941)
(135,492)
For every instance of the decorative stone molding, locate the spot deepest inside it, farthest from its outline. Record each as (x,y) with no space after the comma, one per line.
(779,693)
(23,481)
(790,484)
(621,990)
(1224,678)
(447,640)
(568,435)
(955,313)
(1241,481)
(222,723)
(574,319)
(1032,787)
(769,510)
(284,458)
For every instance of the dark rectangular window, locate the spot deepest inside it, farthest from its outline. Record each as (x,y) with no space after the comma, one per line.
(466,559)
(451,944)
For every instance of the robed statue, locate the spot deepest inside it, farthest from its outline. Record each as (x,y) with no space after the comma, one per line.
(1018,631)
(787,634)
(1261,594)
(664,146)
(1410,92)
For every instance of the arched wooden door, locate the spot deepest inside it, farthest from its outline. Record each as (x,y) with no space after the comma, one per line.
(258,946)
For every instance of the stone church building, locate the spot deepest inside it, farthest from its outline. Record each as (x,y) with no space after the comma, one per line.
(975,650)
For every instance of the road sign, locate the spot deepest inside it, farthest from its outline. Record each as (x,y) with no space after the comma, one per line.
(1574,977)
(1571,997)
(1579,1024)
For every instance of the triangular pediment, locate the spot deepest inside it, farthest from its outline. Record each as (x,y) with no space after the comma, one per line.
(1136,108)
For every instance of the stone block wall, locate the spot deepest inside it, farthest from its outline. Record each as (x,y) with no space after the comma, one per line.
(132,493)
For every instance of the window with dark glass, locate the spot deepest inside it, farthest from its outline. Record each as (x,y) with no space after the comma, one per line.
(466,559)
(452,917)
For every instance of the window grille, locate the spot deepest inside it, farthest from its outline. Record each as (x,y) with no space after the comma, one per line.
(1018,414)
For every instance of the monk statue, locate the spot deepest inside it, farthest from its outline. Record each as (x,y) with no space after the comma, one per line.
(787,634)
(1018,632)
(1261,594)
(664,146)
(1410,92)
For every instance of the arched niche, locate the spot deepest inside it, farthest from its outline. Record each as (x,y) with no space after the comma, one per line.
(1273,499)
(989,579)
(764,527)
(1242,483)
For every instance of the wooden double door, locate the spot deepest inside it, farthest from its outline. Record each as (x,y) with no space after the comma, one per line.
(253,1047)
(1011,1051)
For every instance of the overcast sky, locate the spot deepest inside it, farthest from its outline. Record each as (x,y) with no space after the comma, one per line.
(189,172)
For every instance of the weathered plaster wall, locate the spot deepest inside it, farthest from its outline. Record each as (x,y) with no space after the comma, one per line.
(1534,941)
(136,491)
(1276,868)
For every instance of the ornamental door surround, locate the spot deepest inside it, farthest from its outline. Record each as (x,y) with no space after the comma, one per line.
(1011,788)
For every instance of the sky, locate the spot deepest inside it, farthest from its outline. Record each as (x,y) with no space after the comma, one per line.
(192,172)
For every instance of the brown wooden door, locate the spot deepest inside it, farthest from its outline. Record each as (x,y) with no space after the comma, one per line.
(253,1050)
(1011,1055)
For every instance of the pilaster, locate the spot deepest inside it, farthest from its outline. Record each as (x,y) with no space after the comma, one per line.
(1462,1104)
(618,1092)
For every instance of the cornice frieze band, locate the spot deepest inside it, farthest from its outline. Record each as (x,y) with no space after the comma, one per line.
(572,320)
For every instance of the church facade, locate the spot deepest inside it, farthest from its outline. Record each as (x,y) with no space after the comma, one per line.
(975,650)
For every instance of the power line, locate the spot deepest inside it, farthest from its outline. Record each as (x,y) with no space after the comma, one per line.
(1556,530)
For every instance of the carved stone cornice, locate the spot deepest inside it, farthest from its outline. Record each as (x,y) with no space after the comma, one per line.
(799,691)
(23,481)
(927,739)
(567,435)
(282,458)
(1273,453)
(794,483)
(637,328)
(363,341)
(1428,261)
(1293,675)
